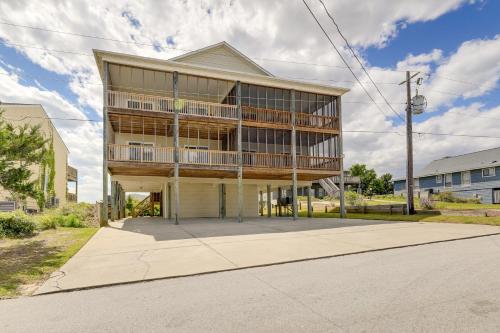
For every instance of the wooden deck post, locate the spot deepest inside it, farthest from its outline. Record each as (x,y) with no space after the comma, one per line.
(176,145)
(240,155)
(279,201)
(222,201)
(309,202)
(294,157)
(113,200)
(269,207)
(341,156)
(104,211)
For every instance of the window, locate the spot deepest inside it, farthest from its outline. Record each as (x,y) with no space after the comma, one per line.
(489,172)
(465,178)
(439,179)
(416,183)
(140,151)
(447,180)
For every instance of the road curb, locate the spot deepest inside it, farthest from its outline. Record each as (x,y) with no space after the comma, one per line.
(262,265)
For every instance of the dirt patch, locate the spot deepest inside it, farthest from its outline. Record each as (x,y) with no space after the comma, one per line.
(26,263)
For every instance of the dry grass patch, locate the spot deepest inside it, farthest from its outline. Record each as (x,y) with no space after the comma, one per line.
(26,263)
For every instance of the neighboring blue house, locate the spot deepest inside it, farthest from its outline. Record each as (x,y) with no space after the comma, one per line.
(474,175)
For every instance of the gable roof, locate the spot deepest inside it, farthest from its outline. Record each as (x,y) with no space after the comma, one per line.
(224,56)
(476,160)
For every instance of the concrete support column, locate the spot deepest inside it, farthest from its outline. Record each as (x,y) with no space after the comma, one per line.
(309,202)
(261,203)
(122,203)
(269,206)
(104,210)
(169,203)
(341,155)
(240,155)
(294,157)
(176,145)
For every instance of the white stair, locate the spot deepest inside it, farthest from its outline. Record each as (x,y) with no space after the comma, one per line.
(329,186)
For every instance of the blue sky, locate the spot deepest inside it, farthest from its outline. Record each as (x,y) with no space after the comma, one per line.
(466,33)
(447,32)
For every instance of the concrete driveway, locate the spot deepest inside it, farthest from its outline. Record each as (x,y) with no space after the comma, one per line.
(150,248)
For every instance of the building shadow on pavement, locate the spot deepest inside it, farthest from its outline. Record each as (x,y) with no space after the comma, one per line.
(164,229)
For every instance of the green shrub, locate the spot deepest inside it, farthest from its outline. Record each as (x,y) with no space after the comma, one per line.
(72,216)
(354,199)
(46,221)
(16,224)
(448,196)
(70,221)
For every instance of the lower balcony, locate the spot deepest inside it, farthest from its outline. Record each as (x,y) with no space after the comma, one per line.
(126,158)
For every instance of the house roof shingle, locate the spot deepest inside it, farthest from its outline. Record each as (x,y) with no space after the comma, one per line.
(476,160)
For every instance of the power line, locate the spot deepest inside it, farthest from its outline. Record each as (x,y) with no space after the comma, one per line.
(346,131)
(340,55)
(52,118)
(424,133)
(186,50)
(159,46)
(359,61)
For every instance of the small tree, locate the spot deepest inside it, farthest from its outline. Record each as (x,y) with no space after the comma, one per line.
(366,176)
(21,147)
(130,204)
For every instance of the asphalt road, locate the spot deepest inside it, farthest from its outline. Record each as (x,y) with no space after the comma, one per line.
(445,287)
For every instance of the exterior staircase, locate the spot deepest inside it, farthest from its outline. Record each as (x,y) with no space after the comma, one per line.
(328,184)
(146,206)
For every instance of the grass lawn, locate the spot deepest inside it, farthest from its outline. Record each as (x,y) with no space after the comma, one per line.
(25,263)
(421,217)
(388,199)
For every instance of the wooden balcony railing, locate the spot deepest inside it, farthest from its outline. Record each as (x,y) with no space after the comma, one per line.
(261,115)
(311,120)
(318,162)
(208,157)
(265,115)
(143,153)
(150,154)
(263,160)
(133,101)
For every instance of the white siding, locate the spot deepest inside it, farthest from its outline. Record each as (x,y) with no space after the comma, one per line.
(202,200)
(223,58)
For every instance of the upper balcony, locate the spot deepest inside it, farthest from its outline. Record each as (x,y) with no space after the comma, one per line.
(251,116)
(71,173)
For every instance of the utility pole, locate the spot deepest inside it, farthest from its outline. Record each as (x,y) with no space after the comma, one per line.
(409,147)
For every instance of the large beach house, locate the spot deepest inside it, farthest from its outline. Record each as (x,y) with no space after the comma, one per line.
(209,132)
